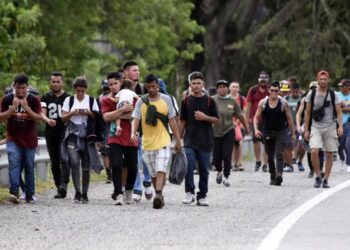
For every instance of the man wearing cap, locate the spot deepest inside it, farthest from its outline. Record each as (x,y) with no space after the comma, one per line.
(322,108)
(344,141)
(224,130)
(255,94)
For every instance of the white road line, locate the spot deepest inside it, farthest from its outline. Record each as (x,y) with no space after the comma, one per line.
(273,240)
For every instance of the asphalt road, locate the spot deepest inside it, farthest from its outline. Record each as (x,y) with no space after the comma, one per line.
(239,217)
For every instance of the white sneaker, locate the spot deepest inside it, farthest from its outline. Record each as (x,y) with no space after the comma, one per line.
(219,178)
(203,202)
(189,198)
(226,182)
(120,200)
(148,193)
(347,168)
(128,197)
(136,197)
(23,197)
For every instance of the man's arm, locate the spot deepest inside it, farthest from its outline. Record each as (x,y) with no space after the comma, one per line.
(174,128)
(307,121)
(134,128)
(122,113)
(200,116)
(36,117)
(50,122)
(340,119)
(298,115)
(290,121)
(247,112)
(257,118)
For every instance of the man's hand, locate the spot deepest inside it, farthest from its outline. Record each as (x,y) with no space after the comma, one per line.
(307,135)
(23,102)
(133,139)
(340,131)
(294,138)
(200,116)
(127,108)
(258,133)
(15,102)
(178,146)
(51,122)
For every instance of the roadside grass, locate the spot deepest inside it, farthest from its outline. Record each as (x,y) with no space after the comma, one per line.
(43,186)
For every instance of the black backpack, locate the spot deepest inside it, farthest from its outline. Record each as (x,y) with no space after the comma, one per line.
(100,125)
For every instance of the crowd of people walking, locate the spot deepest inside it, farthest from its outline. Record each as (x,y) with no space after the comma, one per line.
(132,126)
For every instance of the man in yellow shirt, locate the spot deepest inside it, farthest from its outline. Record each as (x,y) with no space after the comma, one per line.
(155,111)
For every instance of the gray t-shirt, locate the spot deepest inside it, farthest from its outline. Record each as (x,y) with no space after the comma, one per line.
(328,118)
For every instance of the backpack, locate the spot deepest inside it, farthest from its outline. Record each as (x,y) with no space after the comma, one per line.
(187,100)
(313,95)
(280,99)
(152,115)
(100,125)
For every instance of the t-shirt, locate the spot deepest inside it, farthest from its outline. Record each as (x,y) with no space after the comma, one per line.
(328,118)
(53,104)
(345,99)
(293,104)
(83,104)
(198,134)
(254,96)
(154,137)
(227,107)
(21,129)
(126,95)
(107,105)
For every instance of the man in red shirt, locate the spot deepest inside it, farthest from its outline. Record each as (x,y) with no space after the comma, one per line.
(122,153)
(255,94)
(21,110)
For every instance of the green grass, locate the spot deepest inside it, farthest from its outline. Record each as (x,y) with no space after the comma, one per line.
(43,186)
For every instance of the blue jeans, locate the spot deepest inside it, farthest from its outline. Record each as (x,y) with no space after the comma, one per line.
(20,158)
(344,143)
(141,166)
(203,159)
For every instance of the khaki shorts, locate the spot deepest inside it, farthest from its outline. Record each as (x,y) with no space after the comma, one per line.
(325,138)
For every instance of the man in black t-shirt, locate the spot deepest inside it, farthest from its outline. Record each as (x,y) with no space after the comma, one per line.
(198,113)
(51,104)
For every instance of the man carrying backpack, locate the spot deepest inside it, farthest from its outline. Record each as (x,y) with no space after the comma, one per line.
(155,111)
(322,108)
(275,115)
(255,94)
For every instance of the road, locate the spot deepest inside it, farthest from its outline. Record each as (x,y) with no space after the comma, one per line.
(239,217)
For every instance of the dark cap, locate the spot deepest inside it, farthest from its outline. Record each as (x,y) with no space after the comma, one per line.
(344,82)
(263,76)
(223,82)
(104,84)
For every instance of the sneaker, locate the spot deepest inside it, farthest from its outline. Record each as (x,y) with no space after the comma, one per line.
(158,201)
(29,199)
(257,166)
(114,196)
(318,182)
(279,180)
(119,200)
(202,202)
(264,168)
(148,193)
(77,197)
(240,167)
(84,198)
(347,168)
(325,183)
(136,197)
(235,168)
(294,161)
(108,181)
(189,198)
(272,179)
(128,197)
(219,178)
(23,196)
(301,166)
(288,169)
(226,182)
(14,199)
(311,174)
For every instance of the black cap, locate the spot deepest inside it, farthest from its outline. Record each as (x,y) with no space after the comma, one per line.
(224,82)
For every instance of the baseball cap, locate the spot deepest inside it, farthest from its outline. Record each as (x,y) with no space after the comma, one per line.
(224,82)
(322,72)
(285,88)
(263,76)
(313,84)
(344,82)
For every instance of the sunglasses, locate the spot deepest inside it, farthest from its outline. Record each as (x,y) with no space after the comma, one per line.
(274,90)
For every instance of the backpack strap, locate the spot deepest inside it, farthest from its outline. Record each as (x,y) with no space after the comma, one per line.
(331,91)
(91,102)
(145,99)
(266,98)
(312,100)
(241,101)
(71,101)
